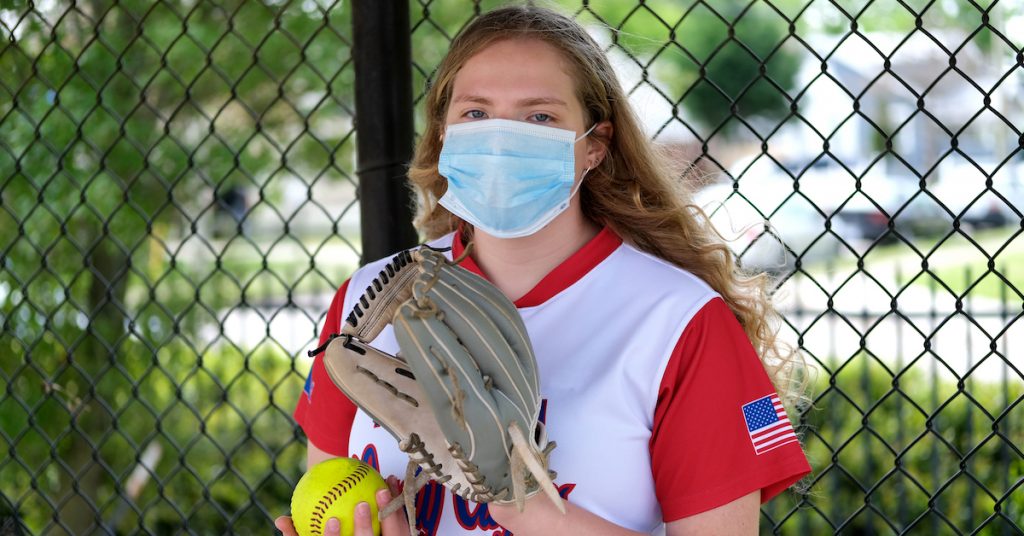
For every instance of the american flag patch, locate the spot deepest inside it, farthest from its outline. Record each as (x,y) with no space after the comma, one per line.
(767,424)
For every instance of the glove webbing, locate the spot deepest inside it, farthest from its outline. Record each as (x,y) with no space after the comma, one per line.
(390,287)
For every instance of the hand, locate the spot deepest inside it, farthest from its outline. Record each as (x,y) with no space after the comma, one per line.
(393,525)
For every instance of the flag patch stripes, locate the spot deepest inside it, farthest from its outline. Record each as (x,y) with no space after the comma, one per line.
(768,424)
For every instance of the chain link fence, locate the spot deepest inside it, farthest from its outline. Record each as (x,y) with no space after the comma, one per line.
(179,205)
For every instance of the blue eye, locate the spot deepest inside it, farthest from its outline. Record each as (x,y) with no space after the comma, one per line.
(541,118)
(475,114)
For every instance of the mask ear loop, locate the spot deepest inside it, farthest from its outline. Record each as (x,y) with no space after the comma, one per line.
(576,190)
(587,169)
(587,133)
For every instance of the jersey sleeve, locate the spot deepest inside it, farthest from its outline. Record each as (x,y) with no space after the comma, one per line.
(323,411)
(719,431)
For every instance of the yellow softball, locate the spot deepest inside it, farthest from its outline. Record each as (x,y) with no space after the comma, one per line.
(333,488)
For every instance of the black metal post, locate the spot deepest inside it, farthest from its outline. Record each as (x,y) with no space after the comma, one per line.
(382,56)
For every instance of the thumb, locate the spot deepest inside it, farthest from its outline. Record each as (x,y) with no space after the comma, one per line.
(285,525)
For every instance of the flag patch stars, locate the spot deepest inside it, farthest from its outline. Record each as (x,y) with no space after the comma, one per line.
(767,424)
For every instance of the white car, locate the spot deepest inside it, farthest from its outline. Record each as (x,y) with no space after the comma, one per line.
(961,187)
(860,213)
(766,228)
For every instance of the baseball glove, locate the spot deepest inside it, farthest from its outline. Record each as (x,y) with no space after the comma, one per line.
(462,397)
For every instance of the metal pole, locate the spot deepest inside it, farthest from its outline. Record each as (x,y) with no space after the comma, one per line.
(382,56)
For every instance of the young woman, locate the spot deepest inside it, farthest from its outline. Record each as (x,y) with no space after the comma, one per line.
(659,367)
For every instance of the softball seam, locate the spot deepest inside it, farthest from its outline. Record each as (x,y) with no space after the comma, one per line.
(318,517)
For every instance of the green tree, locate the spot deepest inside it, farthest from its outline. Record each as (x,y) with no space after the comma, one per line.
(122,123)
(906,451)
(973,20)
(726,63)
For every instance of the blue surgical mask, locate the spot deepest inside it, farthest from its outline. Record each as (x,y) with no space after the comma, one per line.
(508,178)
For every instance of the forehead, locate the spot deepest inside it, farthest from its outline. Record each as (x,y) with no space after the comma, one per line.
(517,68)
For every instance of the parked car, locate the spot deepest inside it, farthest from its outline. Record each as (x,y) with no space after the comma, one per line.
(887,204)
(961,187)
(859,213)
(766,229)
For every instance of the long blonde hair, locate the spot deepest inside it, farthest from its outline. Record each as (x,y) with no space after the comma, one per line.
(632,190)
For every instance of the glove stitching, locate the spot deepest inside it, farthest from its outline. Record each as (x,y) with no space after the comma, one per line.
(415,446)
(390,387)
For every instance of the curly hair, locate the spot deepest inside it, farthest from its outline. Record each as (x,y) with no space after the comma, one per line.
(632,191)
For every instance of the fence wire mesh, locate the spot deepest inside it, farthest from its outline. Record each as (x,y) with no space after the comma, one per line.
(179,206)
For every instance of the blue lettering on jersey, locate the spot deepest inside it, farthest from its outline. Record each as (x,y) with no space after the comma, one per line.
(370,456)
(429,507)
(478,517)
(565,489)
(475,518)
(429,500)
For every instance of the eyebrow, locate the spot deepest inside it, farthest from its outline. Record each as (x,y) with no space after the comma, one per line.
(532,101)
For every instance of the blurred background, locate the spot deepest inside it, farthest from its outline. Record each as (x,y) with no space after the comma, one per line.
(179,204)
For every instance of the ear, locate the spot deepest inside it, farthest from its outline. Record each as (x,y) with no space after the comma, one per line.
(598,142)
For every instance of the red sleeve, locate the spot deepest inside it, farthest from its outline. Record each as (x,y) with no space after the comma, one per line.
(713,439)
(323,411)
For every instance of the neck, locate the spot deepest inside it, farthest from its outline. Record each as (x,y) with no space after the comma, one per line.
(516,265)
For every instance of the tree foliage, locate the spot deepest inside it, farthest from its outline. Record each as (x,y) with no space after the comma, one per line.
(123,125)
(727,64)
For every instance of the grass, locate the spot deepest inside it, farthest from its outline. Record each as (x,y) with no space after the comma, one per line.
(954,261)
(974,277)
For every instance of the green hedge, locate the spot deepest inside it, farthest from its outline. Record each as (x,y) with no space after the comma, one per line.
(230,451)
(910,453)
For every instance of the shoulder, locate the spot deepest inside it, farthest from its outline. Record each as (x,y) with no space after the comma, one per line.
(645,279)
(665,271)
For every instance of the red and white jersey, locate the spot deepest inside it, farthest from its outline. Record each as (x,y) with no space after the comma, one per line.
(659,404)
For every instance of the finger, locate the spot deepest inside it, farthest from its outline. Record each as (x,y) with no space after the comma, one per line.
(392,481)
(333,527)
(395,524)
(285,525)
(362,525)
(425,343)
